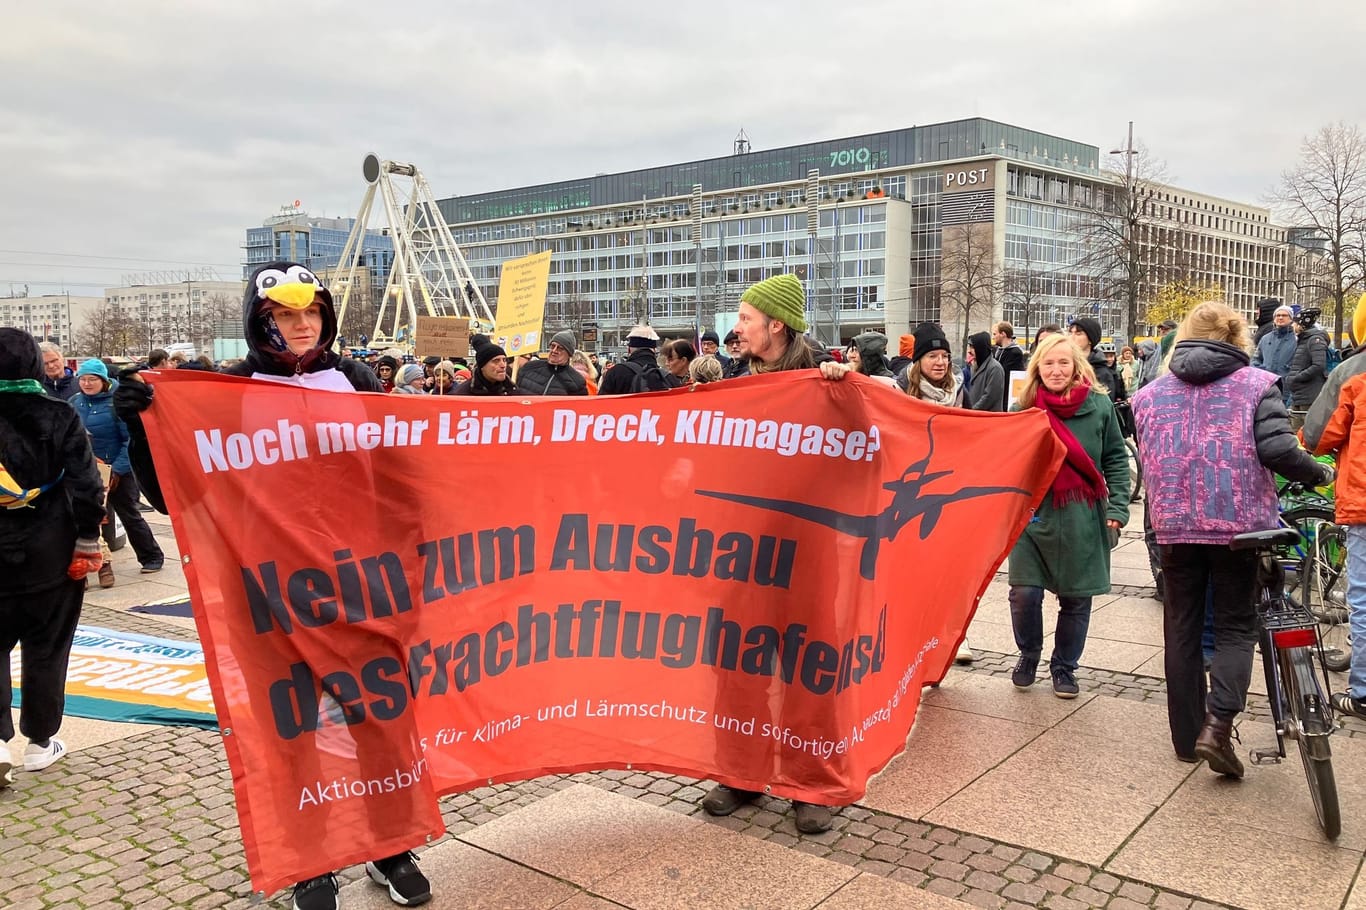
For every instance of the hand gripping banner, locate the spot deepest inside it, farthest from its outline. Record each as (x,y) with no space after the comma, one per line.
(402,597)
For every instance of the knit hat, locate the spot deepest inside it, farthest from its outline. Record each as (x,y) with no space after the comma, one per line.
(1089,327)
(485,350)
(731,336)
(446,367)
(409,374)
(642,336)
(906,346)
(929,337)
(780,297)
(388,361)
(712,337)
(565,340)
(93,367)
(19,356)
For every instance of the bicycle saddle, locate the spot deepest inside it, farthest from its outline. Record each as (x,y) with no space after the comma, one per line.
(1259,540)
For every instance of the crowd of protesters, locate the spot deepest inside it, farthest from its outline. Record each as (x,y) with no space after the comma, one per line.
(1203,395)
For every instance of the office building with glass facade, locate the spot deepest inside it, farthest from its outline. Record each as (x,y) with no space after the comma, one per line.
(961,223)
(315,242)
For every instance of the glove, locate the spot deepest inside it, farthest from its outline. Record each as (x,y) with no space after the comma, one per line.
(1329,475)
(85,559)
(132,397)
(1114,536)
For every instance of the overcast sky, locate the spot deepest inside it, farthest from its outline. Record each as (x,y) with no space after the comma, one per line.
(140,135)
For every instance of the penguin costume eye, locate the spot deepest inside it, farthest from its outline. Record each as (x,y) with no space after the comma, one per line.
(269,279)
(300,274)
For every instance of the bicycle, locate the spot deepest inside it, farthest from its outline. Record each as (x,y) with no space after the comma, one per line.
(1124,414)
(1288,634)
(1318,568)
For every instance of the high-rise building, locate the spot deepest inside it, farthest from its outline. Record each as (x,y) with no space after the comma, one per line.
(961,223)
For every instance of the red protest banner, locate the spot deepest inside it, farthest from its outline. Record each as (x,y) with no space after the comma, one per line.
(403,597)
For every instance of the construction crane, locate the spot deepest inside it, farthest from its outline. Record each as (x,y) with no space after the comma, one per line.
(429,275)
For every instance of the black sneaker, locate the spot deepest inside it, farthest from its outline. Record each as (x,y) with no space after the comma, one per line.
(723,800)
(407,886)
(1064,683)
(1025,673)
(316,893)
(1344,703)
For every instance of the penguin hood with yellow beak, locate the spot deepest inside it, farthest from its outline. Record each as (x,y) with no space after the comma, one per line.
(292,285)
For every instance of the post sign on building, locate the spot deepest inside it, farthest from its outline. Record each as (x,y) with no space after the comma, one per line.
(521,303)
(975,176)
(443,336)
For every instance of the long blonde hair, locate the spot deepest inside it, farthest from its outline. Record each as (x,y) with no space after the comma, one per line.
(1215,321)
(1081,370)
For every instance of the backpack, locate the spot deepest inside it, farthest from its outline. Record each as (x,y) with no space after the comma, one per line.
(1331,358)
(646,379)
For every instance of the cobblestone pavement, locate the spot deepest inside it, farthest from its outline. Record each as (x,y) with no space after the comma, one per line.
(148,821)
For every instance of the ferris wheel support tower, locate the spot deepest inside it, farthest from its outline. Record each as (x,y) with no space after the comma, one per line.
(428,270)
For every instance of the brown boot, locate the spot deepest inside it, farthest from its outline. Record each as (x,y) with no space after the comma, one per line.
(1214,747)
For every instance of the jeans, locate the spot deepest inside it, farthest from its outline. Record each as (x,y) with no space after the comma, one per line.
(123,501)
(1356,606)
(1069,638)
(1191,571)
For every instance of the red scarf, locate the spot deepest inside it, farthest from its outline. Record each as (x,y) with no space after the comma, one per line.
(1078,479)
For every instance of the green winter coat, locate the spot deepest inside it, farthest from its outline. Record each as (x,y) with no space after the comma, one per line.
(1067,550)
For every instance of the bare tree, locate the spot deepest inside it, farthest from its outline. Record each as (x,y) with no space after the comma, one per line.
(1119,232)
(106,332)
(220,310)
(1326,190)
(970,280)
(1023,288)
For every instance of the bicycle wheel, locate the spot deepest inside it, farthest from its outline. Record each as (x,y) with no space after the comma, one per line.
(1309,715)
(1318,579)
(1135,472)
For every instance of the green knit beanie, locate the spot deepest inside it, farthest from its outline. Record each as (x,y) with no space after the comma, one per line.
(780,297)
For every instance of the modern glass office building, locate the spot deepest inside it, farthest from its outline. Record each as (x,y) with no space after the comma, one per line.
(315,242)
(961,223)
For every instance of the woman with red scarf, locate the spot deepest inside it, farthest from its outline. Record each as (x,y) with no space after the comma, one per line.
(1066,546)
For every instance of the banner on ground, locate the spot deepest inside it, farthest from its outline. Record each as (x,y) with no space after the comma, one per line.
(123,676)
(750,581)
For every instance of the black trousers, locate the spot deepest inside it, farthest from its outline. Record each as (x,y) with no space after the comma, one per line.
(1188,569)
(123,501)
(44,624)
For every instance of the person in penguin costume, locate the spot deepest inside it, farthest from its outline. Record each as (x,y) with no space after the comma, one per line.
(290,327)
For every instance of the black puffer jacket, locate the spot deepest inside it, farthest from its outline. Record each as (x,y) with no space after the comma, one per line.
(1308,368)
(540,377)
(42,440)
(1199,361)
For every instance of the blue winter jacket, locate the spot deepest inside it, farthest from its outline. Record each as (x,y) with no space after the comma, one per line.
(1275,351)
(108,434)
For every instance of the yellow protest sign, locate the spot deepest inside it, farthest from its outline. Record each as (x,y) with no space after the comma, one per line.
(521,303)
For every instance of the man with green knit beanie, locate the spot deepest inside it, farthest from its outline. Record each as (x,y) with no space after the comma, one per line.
(771,321)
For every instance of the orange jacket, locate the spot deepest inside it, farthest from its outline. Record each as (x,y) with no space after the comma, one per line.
(1336,423)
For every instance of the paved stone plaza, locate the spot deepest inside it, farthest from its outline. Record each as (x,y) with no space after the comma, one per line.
(1001,800)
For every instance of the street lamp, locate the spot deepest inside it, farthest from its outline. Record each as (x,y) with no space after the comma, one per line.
(1130,236)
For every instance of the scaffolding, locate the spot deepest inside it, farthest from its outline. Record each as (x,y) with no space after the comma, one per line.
(428,276)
